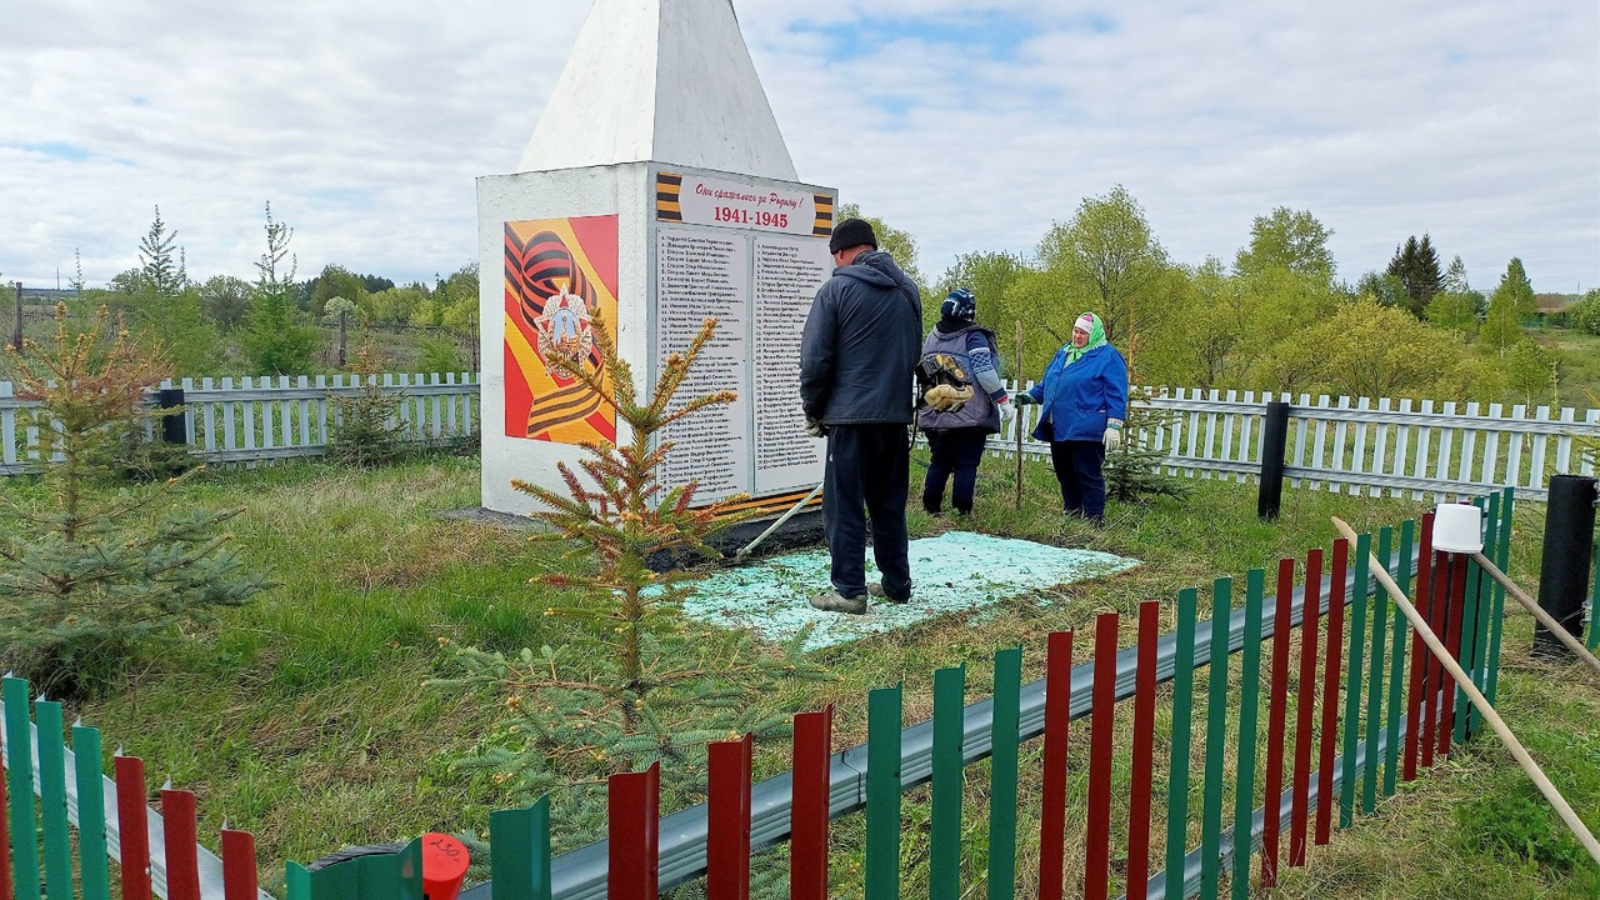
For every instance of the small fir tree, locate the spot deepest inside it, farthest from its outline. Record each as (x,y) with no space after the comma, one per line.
(367,425)
(659,691)
(275,341)
(1134,471)
(90,573)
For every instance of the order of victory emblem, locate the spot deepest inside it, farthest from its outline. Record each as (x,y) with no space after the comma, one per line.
(562,328)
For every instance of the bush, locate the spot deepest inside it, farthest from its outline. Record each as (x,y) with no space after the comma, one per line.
(91,574)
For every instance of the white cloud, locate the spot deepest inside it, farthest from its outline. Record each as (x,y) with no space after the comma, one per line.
(366,122)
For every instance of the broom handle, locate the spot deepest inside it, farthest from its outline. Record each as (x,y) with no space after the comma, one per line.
(1017,422)
(1545,619)
(1563,809)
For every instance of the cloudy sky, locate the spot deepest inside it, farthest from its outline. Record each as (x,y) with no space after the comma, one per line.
(971,124)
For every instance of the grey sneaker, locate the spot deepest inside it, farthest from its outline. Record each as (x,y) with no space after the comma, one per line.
(875,589)
(833,601)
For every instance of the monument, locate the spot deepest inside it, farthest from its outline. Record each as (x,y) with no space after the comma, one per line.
(656,191)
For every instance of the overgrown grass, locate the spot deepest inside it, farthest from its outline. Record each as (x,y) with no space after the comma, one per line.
(304,717)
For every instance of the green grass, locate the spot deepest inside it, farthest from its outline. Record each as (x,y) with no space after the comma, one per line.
(304,717)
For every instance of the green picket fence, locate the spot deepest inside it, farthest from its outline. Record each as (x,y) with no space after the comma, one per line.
(64,822)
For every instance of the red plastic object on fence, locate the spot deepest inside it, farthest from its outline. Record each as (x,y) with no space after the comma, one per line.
(1419,650)
(1332,669)
(133,824)
(808,816)
(1299,818)
(178,827)
(1057,728)
(635,834)
(1277,715)
(1144,730)
(444,865)
(1097,840)
(728,808)
(238,865)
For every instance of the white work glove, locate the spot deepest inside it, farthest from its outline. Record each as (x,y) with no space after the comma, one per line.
(1008,411)
(815,428)
(1113,438)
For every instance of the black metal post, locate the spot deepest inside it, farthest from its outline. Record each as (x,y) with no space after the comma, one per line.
(1564,574)
(1274,446)
(174,425)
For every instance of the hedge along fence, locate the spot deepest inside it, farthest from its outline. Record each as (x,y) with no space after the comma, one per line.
(158,853)
(256,419)
(1300,754)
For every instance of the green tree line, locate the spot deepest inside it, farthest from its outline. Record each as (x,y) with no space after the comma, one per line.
(274,324)
(1275,318)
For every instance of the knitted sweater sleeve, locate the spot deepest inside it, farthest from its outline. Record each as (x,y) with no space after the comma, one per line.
(984,368)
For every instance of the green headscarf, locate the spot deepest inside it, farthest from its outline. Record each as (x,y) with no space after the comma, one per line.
(1097,337)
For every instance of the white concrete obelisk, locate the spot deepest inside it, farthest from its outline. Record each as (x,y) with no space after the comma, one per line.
(656,190)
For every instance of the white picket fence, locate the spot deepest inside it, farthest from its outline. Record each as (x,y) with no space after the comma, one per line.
(269,418)
(1361,445)
(1358,445)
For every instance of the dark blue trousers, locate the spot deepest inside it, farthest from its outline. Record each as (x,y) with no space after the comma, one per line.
(867,472)
(955,451)
(1083,487)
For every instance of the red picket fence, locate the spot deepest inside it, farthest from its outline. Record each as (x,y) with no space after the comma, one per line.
(157,853)
(1298,765)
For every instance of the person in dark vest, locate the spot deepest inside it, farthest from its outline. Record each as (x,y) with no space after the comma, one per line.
(958,422)
(1083,400)
(858,356)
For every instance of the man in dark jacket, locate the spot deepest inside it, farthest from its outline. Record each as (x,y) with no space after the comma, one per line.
(858,356)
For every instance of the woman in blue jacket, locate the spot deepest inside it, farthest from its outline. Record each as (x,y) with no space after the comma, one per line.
(1083,401)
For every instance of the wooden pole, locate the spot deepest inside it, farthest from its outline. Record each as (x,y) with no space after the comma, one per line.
(1538,611)
(1017,422)
(16,332)
(1563,809)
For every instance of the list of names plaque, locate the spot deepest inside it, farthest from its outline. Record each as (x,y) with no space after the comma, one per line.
(701,275)
(787,276)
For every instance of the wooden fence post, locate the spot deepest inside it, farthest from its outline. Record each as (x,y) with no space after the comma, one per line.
(944,826)
(1249,706)
(884,711)
(1057,725)
(133,828)
(1144,726)
(635,834)
(519,852)
(808,830)
(1216,737)
(1277,724)
(1004,739)
(1097,841)
(19,762)
(728,811)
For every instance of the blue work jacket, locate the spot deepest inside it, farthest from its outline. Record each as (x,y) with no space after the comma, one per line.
(1076,400)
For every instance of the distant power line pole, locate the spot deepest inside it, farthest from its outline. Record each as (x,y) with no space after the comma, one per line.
(16,331)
